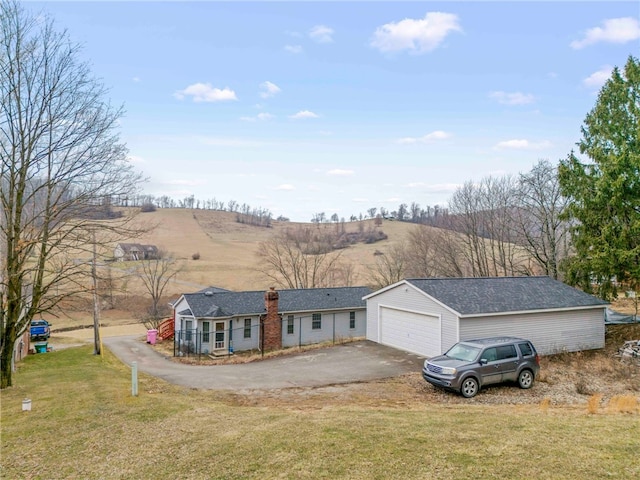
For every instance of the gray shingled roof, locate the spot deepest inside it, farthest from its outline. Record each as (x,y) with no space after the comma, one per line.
(474,296)
(229,304)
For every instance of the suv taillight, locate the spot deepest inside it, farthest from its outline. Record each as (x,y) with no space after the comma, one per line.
(537,359)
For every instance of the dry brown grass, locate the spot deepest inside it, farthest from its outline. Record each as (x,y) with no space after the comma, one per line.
(593,404)
(624,404)
(545,404)
(85,424)
(228,250)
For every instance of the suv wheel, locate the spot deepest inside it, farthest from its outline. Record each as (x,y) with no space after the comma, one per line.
(525,379)
(469,387)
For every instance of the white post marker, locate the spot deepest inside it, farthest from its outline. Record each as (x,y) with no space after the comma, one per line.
(134,379)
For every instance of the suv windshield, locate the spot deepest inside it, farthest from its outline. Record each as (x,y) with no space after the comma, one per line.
(463,352)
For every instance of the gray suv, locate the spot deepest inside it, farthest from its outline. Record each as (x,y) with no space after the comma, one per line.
(468,366)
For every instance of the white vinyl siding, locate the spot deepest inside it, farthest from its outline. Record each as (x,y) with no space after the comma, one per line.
(239,326)
(335,326)
(550,333)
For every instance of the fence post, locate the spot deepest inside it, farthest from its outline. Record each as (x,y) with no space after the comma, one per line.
(134,379)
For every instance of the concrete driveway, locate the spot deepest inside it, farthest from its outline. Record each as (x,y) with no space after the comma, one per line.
(348,363)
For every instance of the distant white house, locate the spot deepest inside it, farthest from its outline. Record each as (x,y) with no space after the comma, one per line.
(135,251)
(427,316)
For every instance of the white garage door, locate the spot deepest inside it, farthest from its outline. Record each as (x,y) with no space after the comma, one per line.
(414,332)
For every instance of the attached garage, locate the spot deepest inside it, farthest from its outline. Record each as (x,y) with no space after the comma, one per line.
(411,331)
(427,316)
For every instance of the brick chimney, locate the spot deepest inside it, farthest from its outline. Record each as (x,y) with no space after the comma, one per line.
(271,322)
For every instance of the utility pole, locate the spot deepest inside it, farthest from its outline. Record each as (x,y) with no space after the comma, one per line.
(97,350)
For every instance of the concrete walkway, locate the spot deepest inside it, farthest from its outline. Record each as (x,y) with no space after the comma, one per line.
(348,363)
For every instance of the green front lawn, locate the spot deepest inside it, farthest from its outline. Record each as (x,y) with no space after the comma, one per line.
(85,424)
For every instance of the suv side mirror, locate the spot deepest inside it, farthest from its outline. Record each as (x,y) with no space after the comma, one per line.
(483,361)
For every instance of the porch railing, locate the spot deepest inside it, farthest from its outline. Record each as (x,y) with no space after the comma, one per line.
(166,329)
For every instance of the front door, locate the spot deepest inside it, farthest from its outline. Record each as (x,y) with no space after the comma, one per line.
(220,336)
(490,370)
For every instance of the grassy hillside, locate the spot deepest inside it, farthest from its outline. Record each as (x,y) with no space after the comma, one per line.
(228,259)
(228,249)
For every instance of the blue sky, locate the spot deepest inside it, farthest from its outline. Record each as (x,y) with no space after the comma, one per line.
(336,107)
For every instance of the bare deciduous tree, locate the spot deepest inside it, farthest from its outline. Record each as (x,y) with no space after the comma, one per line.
(483,214)
(435,252)
(62,164)
(300,258)
(155,274)
(389,267)
(542,231)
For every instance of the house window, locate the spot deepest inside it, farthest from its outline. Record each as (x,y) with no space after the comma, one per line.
(290,325)
(247,328)
(188,326)
(352,320)
(206,326)
(316,321)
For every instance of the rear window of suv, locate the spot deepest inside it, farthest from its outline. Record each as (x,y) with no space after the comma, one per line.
(526,349)
(506,351)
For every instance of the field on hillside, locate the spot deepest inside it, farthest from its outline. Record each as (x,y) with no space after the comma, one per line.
(228,249)
(227,258)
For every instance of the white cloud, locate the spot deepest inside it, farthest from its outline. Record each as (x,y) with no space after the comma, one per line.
(340,173)
(523,144)
(613,30)
(515,98)
(204,92)
(416,35)
(269,89)
(285,187)
(303,114)
(293,48)
(428,138)
(262,117)
(597,79)
(321,34)
(136,79)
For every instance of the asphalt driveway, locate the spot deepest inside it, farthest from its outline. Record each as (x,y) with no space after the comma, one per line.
(347,363)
